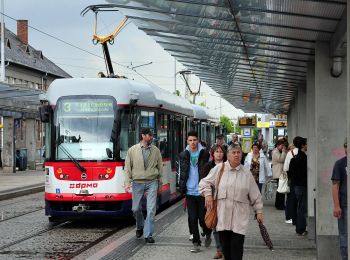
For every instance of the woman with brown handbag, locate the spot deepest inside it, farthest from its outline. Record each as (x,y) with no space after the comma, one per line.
(236,191)
(217,153)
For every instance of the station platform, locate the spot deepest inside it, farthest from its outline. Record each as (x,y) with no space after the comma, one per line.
(21,183)
(172,240)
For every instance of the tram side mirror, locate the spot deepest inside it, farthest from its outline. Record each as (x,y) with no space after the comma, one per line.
(44,113)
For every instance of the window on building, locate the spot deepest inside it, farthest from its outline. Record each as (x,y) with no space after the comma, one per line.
(21,129)
(38,130)
(8,43)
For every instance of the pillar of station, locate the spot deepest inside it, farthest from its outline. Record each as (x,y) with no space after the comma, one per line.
(348,104)
(311,144)
(301,129)
(7,151)
(292,122)
(297,115)
(30,143)
(330,130)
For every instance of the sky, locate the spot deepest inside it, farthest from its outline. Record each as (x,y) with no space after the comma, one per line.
(132,47)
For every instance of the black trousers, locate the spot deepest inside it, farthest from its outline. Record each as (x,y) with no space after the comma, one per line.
(232,245)
(280,200)
(196,213)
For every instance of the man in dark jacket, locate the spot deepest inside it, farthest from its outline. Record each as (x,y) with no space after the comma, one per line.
(339,193)
(191,162)
(298,174)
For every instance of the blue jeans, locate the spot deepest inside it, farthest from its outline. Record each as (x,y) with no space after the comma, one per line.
(138,189)
(217,240)
(301,195)
(343,233)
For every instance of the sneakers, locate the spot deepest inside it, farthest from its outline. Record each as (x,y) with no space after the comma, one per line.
(149,240)
(302,234)
(207,241)
(139,233)
(196,248)
(191,237)
(218,255)
(289,221)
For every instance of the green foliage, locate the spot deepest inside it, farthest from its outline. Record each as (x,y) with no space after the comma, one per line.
(203,104)
(226,122)
(177,93)
(255,131)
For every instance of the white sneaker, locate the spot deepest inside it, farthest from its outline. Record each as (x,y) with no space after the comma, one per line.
(191,237)
(289,221)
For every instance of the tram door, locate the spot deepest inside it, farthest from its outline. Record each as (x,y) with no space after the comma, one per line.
(177,144)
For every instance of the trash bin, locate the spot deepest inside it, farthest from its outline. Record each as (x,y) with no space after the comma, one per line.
(21,159)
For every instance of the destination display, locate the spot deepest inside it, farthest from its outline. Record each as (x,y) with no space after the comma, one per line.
(87,106)
(247,121)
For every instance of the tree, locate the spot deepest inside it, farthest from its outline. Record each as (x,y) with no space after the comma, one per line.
(177,93)
(226,122)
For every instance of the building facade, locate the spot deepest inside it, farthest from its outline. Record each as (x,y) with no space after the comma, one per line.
(27,74)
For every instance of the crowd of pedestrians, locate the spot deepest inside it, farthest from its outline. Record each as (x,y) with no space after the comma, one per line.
(217,178)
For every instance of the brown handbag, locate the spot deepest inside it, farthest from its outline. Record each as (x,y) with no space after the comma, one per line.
(211,216)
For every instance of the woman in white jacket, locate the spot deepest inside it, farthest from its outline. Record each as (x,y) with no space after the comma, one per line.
(258,165)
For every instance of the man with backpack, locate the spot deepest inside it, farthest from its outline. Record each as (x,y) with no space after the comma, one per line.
(297,173)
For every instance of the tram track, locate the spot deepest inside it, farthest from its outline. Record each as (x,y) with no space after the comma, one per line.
(94,243)
(18,241)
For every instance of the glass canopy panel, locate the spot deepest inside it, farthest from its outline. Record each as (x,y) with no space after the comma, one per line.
(264,48)
(312,8)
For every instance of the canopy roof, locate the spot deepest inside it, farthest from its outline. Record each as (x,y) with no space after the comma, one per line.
(252,52)
(18,101)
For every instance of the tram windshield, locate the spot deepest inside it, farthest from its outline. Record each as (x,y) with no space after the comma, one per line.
(85,128)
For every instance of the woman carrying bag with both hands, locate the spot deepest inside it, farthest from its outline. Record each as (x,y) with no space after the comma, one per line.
(237,190)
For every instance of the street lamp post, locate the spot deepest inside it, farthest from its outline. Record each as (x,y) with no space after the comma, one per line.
(2,70)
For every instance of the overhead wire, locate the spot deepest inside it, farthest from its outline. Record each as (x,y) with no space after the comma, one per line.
(79,48)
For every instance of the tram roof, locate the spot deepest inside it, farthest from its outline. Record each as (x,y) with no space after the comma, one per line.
(252,52)
(122,90)
(202,113)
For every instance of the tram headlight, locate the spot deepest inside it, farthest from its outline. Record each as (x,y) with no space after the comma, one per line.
(66,176)
(61,176)
(109,170)
(106,175)
(100,176)
(59,170)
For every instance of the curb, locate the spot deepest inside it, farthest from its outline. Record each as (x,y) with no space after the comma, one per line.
(13,193)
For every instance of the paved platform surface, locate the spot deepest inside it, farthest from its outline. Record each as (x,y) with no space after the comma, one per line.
(172,240)
(21,183)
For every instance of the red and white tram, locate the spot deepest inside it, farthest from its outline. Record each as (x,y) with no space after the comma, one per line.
(91,123)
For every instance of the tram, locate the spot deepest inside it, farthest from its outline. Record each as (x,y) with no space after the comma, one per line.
(91,123)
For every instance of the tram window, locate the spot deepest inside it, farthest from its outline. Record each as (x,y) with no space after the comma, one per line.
(147,119)
(164,121)
(163,142)
(123,139)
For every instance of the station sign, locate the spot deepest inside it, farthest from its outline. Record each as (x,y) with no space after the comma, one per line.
(263,124)
(247,122)
(281,124)
(1,126)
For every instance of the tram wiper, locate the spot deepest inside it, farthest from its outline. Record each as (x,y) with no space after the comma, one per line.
(76,163)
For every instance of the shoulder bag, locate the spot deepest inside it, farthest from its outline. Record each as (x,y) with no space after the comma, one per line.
(211,216)
(283,186)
